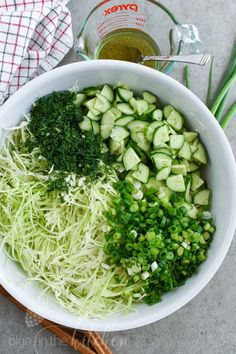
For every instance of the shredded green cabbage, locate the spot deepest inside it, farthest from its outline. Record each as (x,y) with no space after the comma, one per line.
(58,237)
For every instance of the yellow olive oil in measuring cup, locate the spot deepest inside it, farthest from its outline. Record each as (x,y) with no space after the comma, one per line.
(127,44)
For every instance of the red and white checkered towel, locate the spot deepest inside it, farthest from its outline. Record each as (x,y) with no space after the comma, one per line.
(35,35)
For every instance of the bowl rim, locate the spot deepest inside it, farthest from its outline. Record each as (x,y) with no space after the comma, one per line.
(206,277)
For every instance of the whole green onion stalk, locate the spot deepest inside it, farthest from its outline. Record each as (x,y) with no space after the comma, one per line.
(218,103)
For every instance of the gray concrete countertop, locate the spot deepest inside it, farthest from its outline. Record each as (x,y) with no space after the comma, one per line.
(206,325)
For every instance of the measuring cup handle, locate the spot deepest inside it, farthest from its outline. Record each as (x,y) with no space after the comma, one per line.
(189,39)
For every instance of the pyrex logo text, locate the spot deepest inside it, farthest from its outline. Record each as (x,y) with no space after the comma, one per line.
(132,7)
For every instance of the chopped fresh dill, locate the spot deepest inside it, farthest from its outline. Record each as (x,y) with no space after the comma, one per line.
(54,127)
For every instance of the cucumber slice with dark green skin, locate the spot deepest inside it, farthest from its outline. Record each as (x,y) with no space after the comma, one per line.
(107,92)
(142,173)
(119,133)
(197,182)
(185,151)
(125,108)
(149,97)
(161,135)
(108,118)
(124,120)
(101,103)
(200,155)
(157,115)
(190,136)
(163,173)
(176,141)
(130,159)
(175,120)
(125,94)
(86,124)
(176,183)
(202,197)
(161,160)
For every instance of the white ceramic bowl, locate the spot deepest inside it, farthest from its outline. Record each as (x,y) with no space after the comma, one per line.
(220,174)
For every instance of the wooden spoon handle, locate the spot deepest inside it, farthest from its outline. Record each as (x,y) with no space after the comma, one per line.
(75,339)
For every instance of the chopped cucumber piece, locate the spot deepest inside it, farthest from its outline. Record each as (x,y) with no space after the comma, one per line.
(125,108)
(86,124)
(80,98)
(190,136)
(149,130)
(179,169)
(188,196)
(137,125)
(92,90)
(142,173)
(107,92)
(133,103)
(116,148)
(202,197)
(191,166)
(119,167)
(130,159)
(93,117)
(96,127)
(196,142)
(125,94)
(200,155)
(149,97)
(161,160)
(157,114)
(164,195)
(176,141)
(90,105)
(120,158)
(116,112)
(129,177)
(102,104)
(163,174)
(118,99)
(144,145)
(119,133)
(176,183)
(108,118)
(124,121)
(192,213)
(138,136)
(197,182)
(142,107)
(106,131)
(185,151)
(175,120)
(161,135)
(167,110)
(153,183)
(151,108)
(121,84)
(165,150)
(193,148)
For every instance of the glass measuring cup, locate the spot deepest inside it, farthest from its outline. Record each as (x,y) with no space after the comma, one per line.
(151,17)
